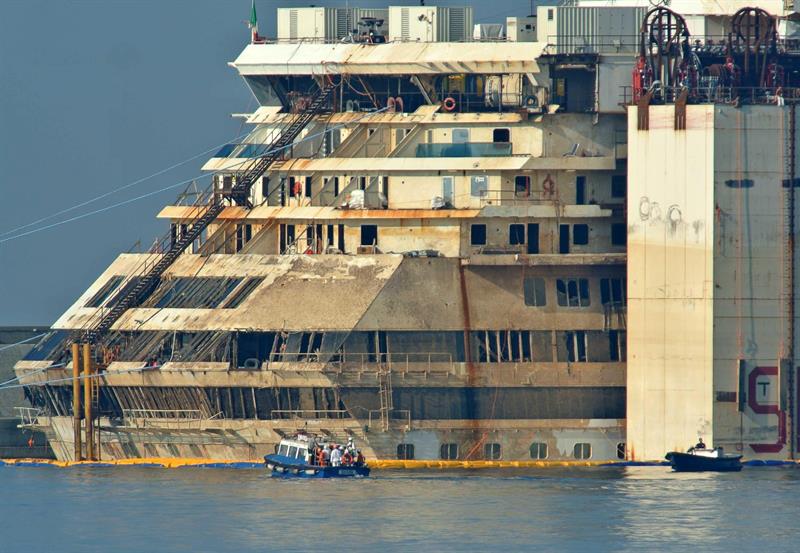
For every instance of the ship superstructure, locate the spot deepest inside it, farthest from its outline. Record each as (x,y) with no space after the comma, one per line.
(422,244)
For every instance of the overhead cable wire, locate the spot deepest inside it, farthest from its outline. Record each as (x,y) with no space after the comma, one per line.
(184,182)
(121,188)
(32,338)
(81,377)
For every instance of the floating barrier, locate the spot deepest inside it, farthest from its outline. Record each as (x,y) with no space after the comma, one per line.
(385,464)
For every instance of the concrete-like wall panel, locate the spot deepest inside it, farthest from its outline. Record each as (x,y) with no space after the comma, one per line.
(670,275)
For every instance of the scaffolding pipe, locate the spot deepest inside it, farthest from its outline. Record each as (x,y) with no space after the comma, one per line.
(87,400)
(76,399)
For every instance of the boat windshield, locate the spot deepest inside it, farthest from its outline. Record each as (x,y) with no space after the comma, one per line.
(283,449)
(292,451)
(301,453)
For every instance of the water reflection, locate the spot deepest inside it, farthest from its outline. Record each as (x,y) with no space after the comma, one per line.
(637,508)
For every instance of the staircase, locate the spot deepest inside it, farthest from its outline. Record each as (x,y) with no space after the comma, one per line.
(385,393)
(148,277)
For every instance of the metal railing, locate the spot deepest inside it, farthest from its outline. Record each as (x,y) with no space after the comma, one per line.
(404,415)
(283,414)
(709,92)
(28,416)
(177,414)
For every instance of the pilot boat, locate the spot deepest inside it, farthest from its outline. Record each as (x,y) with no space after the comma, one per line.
(301,456)
(701,459)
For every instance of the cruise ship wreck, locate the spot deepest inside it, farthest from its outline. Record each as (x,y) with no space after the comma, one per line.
(571,240)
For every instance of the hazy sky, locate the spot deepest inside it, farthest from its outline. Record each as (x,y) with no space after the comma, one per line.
(97,94)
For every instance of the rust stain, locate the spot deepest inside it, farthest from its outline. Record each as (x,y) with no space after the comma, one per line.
(472,422)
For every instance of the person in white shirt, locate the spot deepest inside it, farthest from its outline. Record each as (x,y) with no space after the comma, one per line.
(336,457)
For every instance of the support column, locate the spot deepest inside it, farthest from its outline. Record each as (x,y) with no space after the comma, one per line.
(87,401)
(76,399)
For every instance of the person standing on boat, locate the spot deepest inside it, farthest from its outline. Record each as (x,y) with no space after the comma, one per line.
(325,456)
(336,457)
(700,444)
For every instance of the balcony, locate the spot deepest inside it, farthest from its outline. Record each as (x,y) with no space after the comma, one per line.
(465,149)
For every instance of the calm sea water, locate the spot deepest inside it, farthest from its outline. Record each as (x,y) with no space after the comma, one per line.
(589,509)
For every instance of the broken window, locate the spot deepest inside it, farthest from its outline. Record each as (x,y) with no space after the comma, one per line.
(369,235)
(573,292)
(580,190)
(241,293)
(538,450)
(244,233)
(516,234)
(612,291)
(618,186)
(105,291)
(580,235)
(192,292)
(534,291)
(575,344)
(522,186)
(616,345)
(477,235)
(448,452)
(619,234)
(492,451)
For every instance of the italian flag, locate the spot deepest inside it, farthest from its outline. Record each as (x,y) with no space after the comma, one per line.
(253,23)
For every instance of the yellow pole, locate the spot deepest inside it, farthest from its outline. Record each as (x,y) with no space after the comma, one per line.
(87,401)
(76,399)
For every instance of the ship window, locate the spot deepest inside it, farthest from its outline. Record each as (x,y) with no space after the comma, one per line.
(330,235)
(522,186)
(580,235)
(582,451)
(576,346)
(243,292)
(612,291)
(405,451)
(292,451)
(448,452)
(618,186)
(491,451)
(573,292)
(460,136)
(550,15)
(105,291)
(301,453)
(49,347)
(479,186)
(369,235)
(501,135)
(477,235)
(283,449)
(616,345)
(516,234)
(308,187)
(534,292)
(265,187)
(192,292)
(538,450)
(621,450)
(227,182)
(619,234)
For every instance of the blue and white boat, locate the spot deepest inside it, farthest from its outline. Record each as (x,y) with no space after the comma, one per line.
(302,456)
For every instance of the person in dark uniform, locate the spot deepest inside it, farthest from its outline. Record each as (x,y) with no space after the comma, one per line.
(700,444)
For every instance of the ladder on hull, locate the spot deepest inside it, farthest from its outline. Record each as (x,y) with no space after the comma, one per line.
(139,288)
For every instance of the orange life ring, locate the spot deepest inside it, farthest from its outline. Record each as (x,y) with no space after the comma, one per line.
(449,103)
(347,459)
(298,188)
